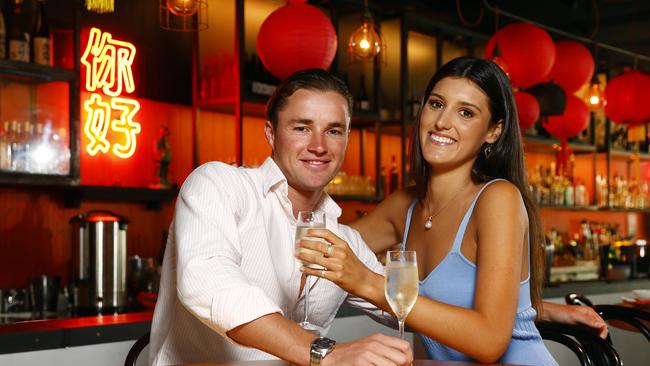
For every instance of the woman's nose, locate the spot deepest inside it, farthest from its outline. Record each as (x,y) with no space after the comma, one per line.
(443,121)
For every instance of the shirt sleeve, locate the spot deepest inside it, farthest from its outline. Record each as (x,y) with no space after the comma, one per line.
(210,282)
(367,257)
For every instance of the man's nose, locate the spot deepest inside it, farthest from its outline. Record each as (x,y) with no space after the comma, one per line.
(317,144)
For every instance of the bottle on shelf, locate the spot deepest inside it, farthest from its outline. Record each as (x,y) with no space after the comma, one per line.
(5,148)
(393,179)
(19,35)
(3,37)
(363,102)
(42,41)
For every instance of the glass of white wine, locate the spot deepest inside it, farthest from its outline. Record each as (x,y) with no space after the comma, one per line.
(402,284)
(308,220)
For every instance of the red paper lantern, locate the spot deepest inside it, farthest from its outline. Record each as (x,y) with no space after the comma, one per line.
(628,98)
(573,67)
(527,109)
(296,37)
(528,51)
(570,123)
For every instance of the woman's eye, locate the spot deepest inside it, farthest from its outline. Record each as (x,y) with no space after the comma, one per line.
(435,104)
(465,113)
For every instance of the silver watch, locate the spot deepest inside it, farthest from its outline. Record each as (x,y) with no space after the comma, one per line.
(320,347)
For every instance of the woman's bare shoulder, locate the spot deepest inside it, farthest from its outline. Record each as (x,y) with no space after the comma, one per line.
(501,197)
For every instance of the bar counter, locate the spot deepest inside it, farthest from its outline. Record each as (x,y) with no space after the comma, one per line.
(282,363)
(34,335)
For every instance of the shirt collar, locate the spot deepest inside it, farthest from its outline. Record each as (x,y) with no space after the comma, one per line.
(273,179)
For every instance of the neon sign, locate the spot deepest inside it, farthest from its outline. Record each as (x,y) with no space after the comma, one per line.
(108,69)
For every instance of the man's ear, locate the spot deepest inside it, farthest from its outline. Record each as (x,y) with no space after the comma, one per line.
(494,132)
(269,132)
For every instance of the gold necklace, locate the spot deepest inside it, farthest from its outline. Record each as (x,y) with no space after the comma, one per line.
(428,224)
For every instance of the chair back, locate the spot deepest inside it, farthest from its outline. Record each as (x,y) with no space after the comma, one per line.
(590,349)
(136,349)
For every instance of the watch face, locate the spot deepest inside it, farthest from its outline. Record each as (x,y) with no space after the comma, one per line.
(324,343)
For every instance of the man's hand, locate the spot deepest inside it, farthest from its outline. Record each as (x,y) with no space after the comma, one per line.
(573,314)
(377,349)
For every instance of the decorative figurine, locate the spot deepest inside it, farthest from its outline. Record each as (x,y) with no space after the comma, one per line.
(162,153)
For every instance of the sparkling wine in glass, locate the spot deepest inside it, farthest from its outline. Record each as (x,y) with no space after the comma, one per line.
(308,220)
(402,284)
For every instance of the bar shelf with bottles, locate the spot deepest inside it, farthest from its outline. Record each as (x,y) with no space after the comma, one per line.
(38,143)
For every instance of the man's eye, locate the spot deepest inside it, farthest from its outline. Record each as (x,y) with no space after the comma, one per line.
(300,128)
(335,132)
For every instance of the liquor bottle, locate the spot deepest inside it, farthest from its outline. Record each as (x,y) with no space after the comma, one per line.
(42,46)
(394,176)
(16,146)
(362,99)
(19,35)
(5,148)
(3,37)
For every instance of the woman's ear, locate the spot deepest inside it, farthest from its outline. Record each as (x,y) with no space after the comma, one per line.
(494,132)
(269,132)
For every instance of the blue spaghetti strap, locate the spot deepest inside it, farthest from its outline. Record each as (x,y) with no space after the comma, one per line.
(460,234)
(407,225)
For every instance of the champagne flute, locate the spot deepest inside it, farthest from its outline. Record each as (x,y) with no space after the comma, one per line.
(308,220)
(402,284)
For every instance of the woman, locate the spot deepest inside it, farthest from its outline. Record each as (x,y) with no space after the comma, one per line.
(481,261)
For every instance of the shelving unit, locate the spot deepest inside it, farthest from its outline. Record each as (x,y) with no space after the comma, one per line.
(32,75)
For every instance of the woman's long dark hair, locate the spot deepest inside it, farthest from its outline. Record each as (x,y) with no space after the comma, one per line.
(507,158)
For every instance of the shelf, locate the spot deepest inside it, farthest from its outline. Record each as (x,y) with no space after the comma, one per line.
(593,209)
(29,72)
(28,179)
(627,155)
(537,144)
(366,199)
(151,197)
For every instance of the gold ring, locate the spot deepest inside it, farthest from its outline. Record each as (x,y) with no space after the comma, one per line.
(322,272)
(330,250)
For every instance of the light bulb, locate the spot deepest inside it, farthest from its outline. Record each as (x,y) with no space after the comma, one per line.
(594,98)
(182,8)
(365,43)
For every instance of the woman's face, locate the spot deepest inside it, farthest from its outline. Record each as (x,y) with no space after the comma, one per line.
(454,123)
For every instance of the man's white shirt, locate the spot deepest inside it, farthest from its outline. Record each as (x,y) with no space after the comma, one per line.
(230,259)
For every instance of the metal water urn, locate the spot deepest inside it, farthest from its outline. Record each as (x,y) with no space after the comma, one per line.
(99,262)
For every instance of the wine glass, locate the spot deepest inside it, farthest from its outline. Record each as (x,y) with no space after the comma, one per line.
(402,284)
(308,220)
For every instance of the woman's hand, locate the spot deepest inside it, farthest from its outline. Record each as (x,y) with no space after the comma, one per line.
(574,314)
(340,264)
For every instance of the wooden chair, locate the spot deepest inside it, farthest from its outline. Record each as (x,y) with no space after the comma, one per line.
(134,352)
(590,349)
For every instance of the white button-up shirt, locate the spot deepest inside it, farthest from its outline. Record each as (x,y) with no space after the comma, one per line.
(230,260)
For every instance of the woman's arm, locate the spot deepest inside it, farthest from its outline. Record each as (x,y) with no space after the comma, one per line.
(572,314)
(502,225)
(379,228)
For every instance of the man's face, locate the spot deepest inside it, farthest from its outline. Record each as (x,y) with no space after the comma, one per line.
(310,138)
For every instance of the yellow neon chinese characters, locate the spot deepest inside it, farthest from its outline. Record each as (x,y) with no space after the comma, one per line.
(108,64)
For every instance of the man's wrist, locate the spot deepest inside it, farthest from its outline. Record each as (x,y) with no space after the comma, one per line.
(320,348)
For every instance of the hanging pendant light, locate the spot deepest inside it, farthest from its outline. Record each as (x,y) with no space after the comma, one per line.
(100,6)
(184,15)
(365,42)
(183,8)
(595,99)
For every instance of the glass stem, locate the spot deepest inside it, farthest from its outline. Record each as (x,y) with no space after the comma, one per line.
(307,278)
(401,328)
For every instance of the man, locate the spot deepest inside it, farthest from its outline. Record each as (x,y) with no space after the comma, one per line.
(231,288)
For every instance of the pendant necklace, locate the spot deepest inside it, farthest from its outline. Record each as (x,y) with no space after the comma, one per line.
(428,224)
